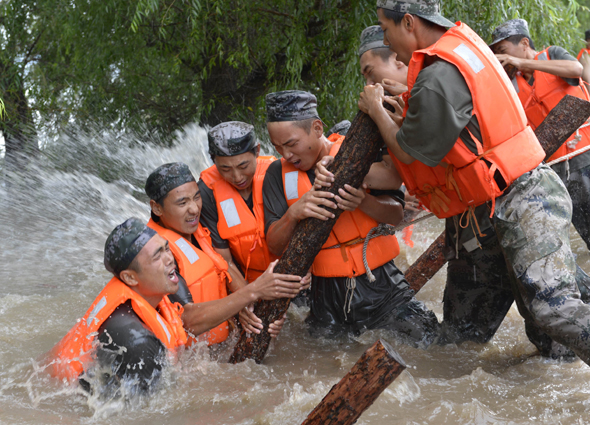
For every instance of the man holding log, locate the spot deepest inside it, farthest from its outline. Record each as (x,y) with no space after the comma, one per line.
(342,297)
(541,80)
(461,142)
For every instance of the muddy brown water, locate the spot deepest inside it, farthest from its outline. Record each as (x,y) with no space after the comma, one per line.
(52,231)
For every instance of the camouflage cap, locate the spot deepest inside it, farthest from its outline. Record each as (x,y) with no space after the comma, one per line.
(510,28)
(165,178)
(124,243)
(291,105)
(341,128)
(231,138)
(426,9)
(371,38)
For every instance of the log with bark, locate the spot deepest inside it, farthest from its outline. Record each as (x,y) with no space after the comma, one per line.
(352,163)
(377,368)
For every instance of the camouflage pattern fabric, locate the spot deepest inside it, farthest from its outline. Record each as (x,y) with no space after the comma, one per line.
(371,38)
(231,138)
(165,178)
(124,243)
(291,105)
(578,185)
(510,28)
(532,223)
(427,9)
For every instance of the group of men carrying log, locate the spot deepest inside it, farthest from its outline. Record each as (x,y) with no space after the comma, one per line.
(459,135)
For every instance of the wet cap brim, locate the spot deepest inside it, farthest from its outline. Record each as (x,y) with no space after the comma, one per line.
(437,19)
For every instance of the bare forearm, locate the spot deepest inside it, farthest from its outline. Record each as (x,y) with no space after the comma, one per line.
(388,129)
(279,234)
(383,176)
(560,68)
(383,209)
(201,317)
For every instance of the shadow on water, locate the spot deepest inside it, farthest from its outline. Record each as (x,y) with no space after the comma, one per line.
(54,220)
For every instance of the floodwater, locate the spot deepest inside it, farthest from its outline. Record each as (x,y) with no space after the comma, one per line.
(53,225)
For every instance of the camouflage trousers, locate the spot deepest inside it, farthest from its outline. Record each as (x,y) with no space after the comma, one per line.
(578,185)
(531,262)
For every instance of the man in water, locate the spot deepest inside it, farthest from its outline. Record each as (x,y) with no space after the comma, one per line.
(342,298)
(448,133)
(542,80)
(176,204)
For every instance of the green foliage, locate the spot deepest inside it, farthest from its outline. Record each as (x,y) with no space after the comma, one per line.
(160,64)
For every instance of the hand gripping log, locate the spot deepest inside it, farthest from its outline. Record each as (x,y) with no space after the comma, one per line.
(361,145)
(377,368)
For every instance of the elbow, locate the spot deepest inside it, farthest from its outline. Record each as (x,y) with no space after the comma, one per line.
(406,159)
(577,70)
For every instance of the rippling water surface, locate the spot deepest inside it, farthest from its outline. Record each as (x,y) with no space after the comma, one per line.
(53,225)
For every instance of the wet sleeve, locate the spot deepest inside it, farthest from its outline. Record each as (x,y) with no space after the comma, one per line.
(559,53)
(129,349)
(209,216)
(183,295)
(273,195)
(439,109)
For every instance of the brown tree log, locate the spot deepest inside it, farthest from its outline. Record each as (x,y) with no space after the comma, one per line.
(360,147)
(377,368)
(563,120)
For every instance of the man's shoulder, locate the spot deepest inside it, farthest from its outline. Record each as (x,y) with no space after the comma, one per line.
(441,76)
(559,53)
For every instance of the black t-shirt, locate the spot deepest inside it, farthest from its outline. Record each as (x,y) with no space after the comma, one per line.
(210,217)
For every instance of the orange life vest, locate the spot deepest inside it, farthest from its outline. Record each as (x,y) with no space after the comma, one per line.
(545,93)
(464,180)
(73,352)
(582,52)
(204,271)
(243,229)
(348,232)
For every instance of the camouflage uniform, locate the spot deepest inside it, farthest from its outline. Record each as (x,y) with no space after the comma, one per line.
(371,38)
(529,261)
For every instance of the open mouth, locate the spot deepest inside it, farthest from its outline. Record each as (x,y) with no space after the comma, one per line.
(193,221)
(242,184)
(297,163)
(173,276)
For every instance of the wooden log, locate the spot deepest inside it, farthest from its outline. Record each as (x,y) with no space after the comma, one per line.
(426,266)
(563,120)
(352,163)
(377,368)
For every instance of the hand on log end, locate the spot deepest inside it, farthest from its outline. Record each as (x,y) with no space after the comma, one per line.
(377,368)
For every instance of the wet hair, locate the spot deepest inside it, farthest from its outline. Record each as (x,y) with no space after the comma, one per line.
(212,155)
(382,52)
(397,17)
(515,39)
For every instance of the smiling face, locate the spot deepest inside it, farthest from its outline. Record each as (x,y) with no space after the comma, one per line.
(154,273)
(375,68)
(399,37)
(180,209)
(296,145)
(238,170)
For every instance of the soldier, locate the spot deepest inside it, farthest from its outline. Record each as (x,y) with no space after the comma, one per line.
(446,130)
(342,298)
(541,81)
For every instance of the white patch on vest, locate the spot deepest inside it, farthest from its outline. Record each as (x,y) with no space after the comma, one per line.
(230,212)
(164,327)
(515,84)
(96,310)
(542,56)
(468,56)
(291,182)
(187,250)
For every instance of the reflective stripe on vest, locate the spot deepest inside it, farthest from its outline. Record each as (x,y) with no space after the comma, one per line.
(545,93)
(241,227)
(72,354)
(464,180)
(204,271)
(349,231)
